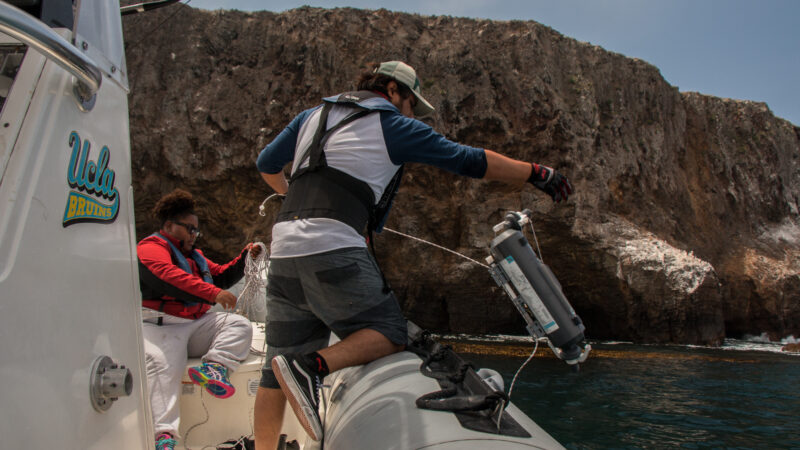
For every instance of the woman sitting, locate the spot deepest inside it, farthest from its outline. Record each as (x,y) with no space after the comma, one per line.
(179,285)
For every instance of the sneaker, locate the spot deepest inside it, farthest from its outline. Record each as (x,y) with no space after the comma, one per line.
(301,386)
(213,377)
(165,441)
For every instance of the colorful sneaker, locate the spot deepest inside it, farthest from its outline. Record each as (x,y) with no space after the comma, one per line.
(214,377)
(301,386)
(165,441)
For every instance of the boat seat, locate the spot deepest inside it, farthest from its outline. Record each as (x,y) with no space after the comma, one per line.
(211,420)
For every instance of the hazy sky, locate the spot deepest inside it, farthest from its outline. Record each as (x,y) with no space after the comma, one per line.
(741,49)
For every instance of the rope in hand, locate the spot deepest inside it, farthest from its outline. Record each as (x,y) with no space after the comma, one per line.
(255,276)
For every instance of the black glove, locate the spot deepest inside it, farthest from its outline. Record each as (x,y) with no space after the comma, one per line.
(551,182)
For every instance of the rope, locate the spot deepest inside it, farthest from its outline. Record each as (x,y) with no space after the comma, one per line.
(437,246)
(255,274)
(501,406)
(262,207)
(205,421)
(514,380)
(536,240)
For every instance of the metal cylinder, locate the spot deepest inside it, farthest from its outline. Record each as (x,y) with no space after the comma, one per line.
(109,381)
(540,291)
(116,382)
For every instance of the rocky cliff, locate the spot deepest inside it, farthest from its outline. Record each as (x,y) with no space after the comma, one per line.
(683,228)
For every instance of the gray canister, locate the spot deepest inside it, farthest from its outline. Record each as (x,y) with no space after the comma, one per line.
(539,292)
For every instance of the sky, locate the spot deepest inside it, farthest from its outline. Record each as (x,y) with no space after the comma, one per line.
(740,49)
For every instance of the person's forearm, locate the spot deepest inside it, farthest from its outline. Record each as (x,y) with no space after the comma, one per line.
(503,168)
(276,181)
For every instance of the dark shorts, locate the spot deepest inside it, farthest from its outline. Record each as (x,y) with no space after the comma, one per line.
(310,296)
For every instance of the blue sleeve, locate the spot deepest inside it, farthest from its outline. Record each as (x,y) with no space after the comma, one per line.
(280,151)
(409,140)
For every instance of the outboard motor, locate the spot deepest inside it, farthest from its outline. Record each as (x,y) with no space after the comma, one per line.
(535,291)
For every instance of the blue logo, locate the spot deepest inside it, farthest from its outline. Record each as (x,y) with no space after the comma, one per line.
(93,197)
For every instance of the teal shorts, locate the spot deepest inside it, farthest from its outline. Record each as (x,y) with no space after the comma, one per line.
(310,296)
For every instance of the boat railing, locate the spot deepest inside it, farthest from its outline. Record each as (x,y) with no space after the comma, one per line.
(29,30)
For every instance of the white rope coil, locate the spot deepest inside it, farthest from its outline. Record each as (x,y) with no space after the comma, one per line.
(251,301)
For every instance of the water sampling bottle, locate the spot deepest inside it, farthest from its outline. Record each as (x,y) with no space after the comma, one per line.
(535,291)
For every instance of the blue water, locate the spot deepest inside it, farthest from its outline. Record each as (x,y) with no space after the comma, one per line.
(629,396)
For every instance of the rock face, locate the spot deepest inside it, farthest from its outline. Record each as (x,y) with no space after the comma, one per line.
(683,228)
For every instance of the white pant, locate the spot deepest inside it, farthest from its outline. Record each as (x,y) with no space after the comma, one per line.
(218,337)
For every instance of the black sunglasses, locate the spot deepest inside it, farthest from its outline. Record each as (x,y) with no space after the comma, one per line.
(190,228)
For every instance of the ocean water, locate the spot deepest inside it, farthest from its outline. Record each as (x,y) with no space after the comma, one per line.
(742,395)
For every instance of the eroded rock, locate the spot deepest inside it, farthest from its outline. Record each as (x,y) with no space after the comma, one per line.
(683,227)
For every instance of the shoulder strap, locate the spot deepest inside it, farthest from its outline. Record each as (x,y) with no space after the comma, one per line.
(315,151)
(202,265)
(181,261)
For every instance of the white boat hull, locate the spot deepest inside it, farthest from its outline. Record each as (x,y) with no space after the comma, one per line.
(363,407)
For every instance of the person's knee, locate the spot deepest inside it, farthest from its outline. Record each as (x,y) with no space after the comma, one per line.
(391,348)
(239,321)
(393,339)
(241,325)
(247,329)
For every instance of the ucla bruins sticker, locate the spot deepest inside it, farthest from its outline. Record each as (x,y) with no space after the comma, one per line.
(93,197)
